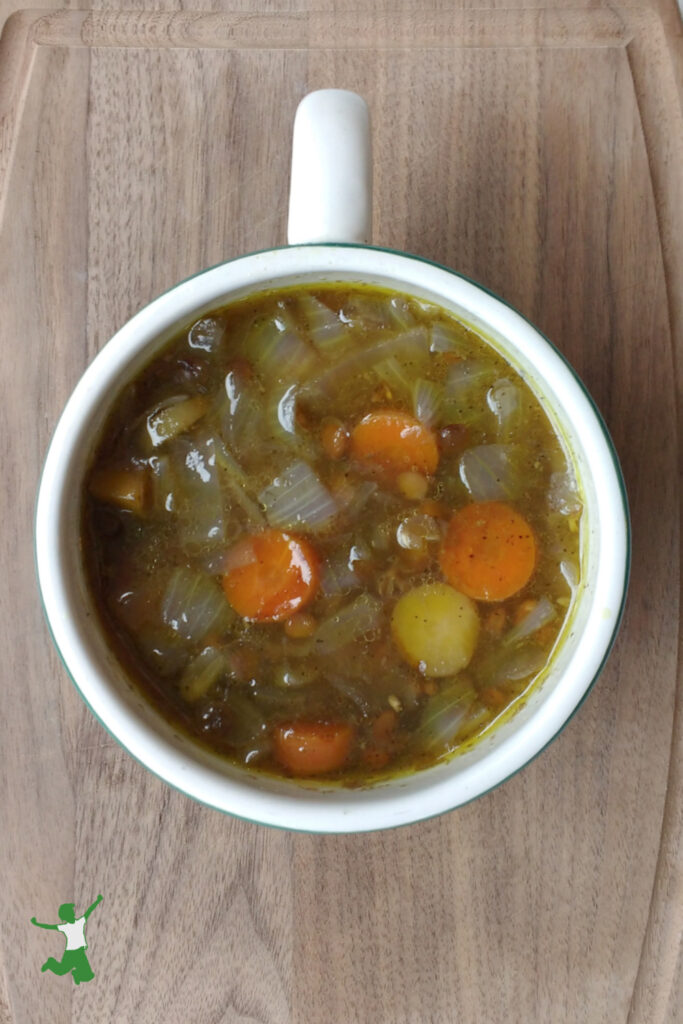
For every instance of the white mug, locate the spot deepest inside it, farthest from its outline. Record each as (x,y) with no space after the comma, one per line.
(330,216)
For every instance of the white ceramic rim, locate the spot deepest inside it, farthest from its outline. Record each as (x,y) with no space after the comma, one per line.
(290,805)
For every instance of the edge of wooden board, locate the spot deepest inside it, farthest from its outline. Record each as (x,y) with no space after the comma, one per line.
(640,33)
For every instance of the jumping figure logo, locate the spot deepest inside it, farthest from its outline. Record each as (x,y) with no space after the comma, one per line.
(73,928)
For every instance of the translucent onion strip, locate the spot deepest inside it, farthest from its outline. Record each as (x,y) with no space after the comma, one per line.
(395,376)
(236,484)
(324,327)
(426,401)
(162,483)
(519,664)
(563,493)
(540,615)
(206,334)
(194,604)
(489,473)
(374,313)
(278,350)
(174,417)
(281,416)
(202,673)
(505,402)
(411,347)
(443,339)
(465,376)
(240,415)
(570,571)
(197,497)
(443,716)
(357,619)
(337,576)
(298,498)
(163,649)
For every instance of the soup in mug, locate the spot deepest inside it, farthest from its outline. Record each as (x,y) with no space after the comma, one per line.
(331,533)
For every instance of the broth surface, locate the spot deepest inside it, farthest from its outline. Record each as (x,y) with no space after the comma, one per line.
(331,533)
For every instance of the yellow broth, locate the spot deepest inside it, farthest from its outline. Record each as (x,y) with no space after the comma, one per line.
(247,424)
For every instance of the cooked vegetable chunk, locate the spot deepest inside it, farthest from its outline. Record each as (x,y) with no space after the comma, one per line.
(270,576)
(312,748)
(125,488)
(489,551)
(174,418)
(436,629)
(396,442)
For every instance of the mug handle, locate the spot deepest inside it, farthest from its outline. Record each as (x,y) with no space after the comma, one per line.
(330,197)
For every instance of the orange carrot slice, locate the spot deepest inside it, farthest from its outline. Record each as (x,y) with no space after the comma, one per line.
(489,551)
(271,575)
(395,441)
(312,748)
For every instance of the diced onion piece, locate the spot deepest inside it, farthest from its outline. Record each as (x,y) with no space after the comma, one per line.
(563,493)
(247,726)
(401,312)
(395,376)
(442,718)
(489,472)
(193,605)
(355,692)
(426,401)
(504,400)
(236,484)
(351,622)
(462,393)
(278,350)
(540,615)
(298,498)
(415,532)
(464,376)
(435,629)
(163,483)
(174,418)
(324,327)
(410,347)
(570,571)
(206,334)
(356,497)
(280,416)
(197,498)
(242,424)
(338,576)
(125,488)
(519,664)
(286,409)
(375,313)
(165,652)
(202,672)
(443,338)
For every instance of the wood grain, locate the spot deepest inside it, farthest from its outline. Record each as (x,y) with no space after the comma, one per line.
(537,151)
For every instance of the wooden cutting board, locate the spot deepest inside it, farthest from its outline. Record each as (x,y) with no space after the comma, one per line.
(539,152)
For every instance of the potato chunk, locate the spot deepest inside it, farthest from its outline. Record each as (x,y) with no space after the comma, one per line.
(435,628)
